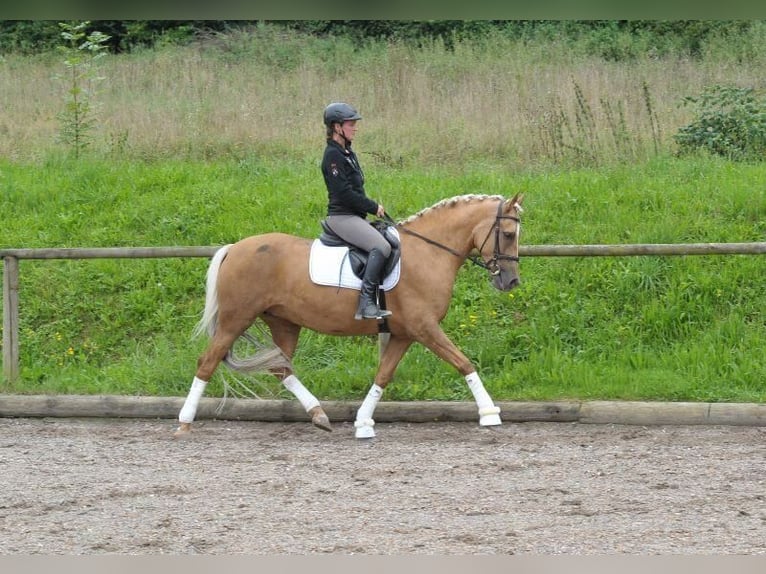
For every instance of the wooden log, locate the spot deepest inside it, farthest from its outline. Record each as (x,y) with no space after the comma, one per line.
(606,250)
(593,412)
(644,413)
(269,410)
(642,249)
(564,411)
(110,252)
(737,414)
(438,411)
(88,406)
(10,318)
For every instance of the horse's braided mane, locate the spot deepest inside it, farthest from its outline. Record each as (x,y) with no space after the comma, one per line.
(450,202)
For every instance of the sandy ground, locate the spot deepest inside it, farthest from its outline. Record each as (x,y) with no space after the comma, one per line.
(123,486)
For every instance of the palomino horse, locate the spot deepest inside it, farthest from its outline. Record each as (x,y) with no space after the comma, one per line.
(265,277)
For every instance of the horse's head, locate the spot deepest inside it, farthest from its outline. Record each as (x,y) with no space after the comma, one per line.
(499,245)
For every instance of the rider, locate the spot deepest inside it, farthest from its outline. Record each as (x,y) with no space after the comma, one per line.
(348,204)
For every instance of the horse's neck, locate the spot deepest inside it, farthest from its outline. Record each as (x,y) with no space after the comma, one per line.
(448,227)
(451,227)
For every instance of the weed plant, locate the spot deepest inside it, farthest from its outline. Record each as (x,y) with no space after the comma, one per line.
(730,122)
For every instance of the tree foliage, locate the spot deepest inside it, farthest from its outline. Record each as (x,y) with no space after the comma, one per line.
(611,39)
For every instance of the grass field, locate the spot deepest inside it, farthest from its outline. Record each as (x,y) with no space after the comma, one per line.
(674,328)
(205,144)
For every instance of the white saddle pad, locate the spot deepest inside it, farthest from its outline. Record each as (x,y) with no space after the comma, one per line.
(331,266)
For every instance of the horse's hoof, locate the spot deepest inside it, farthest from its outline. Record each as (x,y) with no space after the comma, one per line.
(365,429)
(490,421)
(365,432)
(321,422)
(319,419)
(183,431)
(489,417)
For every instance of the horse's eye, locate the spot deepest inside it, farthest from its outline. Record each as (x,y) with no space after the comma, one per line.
(509,234)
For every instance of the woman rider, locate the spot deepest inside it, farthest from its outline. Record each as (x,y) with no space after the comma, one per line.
(348,204)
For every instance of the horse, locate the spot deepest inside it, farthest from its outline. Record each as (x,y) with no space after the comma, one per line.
(264,278)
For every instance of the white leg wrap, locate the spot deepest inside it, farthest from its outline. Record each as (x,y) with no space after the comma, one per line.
(364,423)
(489,414)
(293,384)
(189,409)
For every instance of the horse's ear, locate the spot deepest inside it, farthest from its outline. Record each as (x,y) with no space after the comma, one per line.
(517,200)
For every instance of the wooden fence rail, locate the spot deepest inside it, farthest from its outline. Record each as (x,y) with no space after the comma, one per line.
(11,259)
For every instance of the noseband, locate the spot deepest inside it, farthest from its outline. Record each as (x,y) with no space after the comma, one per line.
(493,264)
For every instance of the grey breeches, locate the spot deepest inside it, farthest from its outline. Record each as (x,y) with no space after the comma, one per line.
(359,232)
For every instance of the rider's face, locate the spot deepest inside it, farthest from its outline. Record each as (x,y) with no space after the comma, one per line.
(348,129)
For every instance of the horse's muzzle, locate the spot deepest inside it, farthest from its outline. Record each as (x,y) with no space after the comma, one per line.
(505,280)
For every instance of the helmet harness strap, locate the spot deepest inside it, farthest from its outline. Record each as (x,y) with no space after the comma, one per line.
(342,133)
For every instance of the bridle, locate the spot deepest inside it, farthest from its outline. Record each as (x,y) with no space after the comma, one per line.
(492,265)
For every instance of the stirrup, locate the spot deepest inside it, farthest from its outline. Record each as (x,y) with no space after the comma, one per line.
(378,313)
(381,314)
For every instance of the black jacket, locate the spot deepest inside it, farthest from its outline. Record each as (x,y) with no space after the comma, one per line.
(345,182)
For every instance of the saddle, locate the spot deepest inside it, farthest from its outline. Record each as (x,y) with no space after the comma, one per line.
(358,257)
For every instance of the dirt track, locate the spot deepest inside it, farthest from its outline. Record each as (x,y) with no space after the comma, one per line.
(94,486)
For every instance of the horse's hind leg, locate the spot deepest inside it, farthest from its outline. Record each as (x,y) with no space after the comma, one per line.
(219,345)
(285,336)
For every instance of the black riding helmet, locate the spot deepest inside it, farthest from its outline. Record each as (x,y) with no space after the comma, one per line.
(339,112)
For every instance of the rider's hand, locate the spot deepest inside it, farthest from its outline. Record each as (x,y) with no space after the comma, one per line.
(381,211)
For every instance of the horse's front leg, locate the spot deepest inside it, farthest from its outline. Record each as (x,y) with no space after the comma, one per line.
(393,353)
(438,342)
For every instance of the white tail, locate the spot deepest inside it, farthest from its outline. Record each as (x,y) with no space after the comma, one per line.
(209,319)
(266,356)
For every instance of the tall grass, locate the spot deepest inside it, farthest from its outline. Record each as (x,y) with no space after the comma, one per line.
(516,102)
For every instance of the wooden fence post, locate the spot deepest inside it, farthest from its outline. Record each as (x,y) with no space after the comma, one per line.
(10,318)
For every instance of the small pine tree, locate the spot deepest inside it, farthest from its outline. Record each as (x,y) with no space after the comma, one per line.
(81,51)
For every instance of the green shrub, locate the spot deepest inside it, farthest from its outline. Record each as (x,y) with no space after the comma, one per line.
(730,122)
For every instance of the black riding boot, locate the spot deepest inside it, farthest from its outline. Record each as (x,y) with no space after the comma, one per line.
(368,297)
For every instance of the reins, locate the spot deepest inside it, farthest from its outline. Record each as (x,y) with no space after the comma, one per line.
(424,238)
(490,266)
